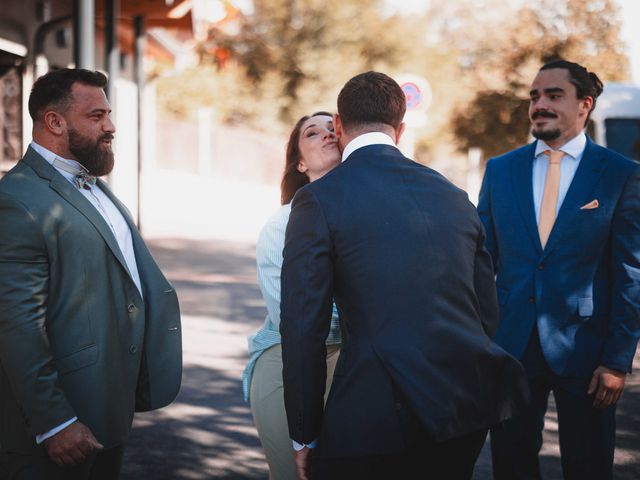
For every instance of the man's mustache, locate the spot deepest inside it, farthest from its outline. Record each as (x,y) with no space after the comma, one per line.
(106,136)
(543,113)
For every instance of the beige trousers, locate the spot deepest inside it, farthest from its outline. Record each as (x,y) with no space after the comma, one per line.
(267,407)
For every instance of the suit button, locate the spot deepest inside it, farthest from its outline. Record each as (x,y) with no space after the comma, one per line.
(133,349)
(541,266)
(131,308)
(532,300)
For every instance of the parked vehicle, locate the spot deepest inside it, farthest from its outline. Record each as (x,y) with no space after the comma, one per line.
(615,123)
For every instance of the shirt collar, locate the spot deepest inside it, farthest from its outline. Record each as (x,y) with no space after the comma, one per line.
(366,139)
(50,157)
(574,148)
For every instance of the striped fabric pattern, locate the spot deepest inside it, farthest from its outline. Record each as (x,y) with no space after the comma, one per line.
(269,262)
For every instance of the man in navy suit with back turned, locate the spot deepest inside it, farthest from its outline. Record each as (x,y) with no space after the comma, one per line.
(562,217)
(401,250)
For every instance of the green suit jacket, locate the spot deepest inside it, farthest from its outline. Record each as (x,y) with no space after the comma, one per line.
(76,337)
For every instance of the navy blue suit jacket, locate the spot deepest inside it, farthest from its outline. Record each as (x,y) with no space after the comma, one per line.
(401,251)
(583,289)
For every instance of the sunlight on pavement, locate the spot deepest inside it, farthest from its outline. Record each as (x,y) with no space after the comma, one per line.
(192,206)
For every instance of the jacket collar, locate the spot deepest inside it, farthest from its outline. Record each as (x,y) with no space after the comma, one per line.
(589,171)
(586,177)
(71,194)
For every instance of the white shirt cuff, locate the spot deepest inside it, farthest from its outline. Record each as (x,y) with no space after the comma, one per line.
(299,446)
(43,436)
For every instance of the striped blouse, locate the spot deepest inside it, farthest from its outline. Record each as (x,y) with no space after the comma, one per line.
(269,262)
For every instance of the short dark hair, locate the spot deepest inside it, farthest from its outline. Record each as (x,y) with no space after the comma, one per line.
(371,98)
(587,83)
(292,179)
(53,89)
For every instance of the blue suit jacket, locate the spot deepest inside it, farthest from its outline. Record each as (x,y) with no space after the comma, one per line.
(401,251)
(583,289)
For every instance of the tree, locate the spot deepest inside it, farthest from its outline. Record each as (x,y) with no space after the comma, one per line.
(503,64)
(295,55)
(291,57)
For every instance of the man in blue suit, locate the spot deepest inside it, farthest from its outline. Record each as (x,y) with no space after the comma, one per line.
(401,250)
(562,217)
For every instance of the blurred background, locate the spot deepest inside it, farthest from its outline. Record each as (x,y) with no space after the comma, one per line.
(204,94)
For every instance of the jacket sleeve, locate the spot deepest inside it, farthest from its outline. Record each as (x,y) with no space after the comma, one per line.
(486,216)
(624,320)
(306,307)
(485,287)
(25,354)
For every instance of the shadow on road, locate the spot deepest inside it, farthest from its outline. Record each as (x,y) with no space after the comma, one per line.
(208,433)
(212,278)
(627,456)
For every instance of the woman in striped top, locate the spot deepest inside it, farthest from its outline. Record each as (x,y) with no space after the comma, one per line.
(312,151)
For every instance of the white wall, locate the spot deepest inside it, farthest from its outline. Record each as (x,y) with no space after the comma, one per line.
(124,178)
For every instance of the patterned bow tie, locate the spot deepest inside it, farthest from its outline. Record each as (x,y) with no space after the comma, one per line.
(84,180)
(81,179)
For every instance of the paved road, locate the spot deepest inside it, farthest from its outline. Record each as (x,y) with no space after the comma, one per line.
(207,433)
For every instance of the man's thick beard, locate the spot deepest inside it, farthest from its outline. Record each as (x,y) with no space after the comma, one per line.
(546,135)
(97,159)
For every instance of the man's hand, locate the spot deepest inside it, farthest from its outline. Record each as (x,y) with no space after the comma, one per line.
(303,463)
(608,386)
(72,445)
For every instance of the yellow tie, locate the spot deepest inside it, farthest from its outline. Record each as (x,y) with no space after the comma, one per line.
(550,196)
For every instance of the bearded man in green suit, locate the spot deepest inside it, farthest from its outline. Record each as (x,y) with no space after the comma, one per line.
(89,327)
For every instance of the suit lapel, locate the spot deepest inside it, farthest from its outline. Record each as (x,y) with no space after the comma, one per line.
(521,172)
(585,179)
(71,194)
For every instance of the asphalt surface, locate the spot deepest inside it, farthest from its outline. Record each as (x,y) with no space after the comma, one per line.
(207,433)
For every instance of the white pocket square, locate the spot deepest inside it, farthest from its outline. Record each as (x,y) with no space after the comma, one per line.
(592,204)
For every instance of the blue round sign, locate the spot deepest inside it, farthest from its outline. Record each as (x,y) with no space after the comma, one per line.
(413,94)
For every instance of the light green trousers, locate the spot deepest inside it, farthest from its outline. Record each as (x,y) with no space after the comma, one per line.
(269,416)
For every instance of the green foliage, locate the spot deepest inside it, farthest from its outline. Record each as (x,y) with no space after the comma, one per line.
(504,59)
(291,57)
(495,121)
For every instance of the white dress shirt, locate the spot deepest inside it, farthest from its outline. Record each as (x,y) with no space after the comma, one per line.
(573,151)
(366,139)
(118,226)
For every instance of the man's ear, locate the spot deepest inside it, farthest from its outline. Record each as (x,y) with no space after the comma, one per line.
(586,105)
(337,125)
(400,131)
(54,122)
